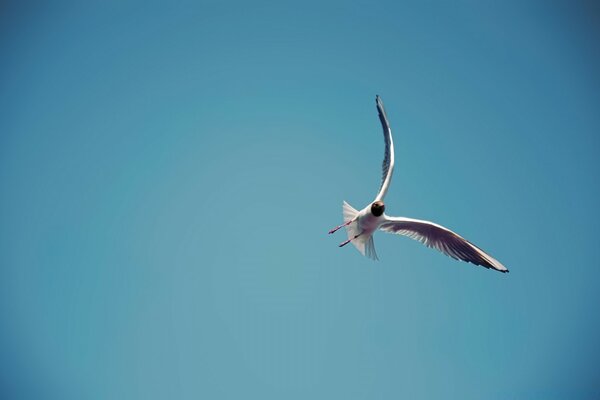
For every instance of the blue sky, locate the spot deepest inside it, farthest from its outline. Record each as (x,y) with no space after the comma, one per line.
(169,172)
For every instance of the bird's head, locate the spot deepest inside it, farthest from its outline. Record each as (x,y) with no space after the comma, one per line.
(377,208)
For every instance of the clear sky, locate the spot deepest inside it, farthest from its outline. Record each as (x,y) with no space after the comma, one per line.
(169,172)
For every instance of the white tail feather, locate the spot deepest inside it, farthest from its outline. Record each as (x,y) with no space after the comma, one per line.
(349,212)
(363,243)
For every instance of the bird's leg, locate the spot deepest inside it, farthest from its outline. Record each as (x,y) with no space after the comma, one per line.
(341,226)
(349,240)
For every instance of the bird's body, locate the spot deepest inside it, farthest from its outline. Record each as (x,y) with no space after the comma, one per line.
(361,225)
(367,222)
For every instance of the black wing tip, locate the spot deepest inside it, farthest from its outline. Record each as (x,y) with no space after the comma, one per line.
(379,104)
(487,266)
(504,271)
(490,266)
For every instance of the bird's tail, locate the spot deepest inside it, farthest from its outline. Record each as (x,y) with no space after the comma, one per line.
(363,243)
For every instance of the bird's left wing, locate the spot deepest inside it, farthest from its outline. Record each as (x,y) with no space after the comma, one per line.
(387,167)
(442,239)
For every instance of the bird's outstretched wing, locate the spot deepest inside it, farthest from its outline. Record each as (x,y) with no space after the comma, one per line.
(442,239)
(387,168)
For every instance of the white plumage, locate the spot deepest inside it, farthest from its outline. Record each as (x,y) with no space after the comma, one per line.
(361,225)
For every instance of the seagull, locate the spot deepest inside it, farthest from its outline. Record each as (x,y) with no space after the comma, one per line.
(361,225)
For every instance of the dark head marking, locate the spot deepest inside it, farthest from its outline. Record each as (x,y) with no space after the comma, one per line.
(377,208)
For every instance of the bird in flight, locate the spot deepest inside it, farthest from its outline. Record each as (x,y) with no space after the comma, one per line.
(361,225)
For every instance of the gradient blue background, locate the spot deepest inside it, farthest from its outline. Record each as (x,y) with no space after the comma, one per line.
(169,172)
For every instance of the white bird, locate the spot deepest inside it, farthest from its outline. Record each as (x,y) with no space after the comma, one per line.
(361,225)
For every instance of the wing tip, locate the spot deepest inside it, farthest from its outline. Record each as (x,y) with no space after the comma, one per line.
(500,268)
(495,264)
(491,266)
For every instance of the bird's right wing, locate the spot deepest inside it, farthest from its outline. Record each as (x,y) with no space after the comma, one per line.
(387,167)
(441,239)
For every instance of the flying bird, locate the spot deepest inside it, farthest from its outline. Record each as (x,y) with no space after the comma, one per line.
(361,225)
